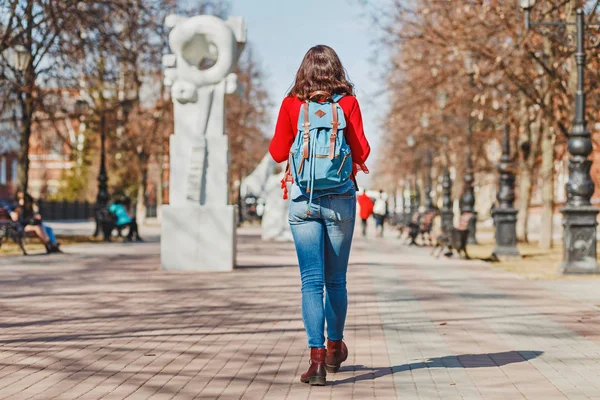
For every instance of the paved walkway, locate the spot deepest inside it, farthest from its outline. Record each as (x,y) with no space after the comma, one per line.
(103,322)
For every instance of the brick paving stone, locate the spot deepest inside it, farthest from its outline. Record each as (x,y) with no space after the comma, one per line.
(103,322)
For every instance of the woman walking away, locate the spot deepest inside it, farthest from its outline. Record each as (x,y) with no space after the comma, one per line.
(320,132)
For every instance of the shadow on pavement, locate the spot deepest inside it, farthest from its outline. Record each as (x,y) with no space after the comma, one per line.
(486,360)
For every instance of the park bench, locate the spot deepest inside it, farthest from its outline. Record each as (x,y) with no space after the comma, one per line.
(456,239)
(106,222)
(11,230)
(426,225)
(421,225)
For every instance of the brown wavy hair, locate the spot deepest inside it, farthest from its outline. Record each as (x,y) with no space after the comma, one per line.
(321,70)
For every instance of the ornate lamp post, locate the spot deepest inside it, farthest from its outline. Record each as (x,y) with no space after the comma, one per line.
(505,215)
(467,201)
(428,203)
(408,201)
(415,197)
(103,220)
(103,197)
(21,57)
(428,184)
(447,213)
(447,203)
(579,216)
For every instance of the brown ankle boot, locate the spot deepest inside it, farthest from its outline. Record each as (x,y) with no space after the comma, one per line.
(316,374)
(337,353)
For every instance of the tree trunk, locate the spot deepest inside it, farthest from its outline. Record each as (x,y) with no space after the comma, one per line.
(547,174)
(160,186)
(547,168)
(140,210)
(23,157)
(529,145)
(26,107)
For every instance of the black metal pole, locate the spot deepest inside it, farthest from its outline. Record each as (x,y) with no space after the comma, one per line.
(408,202)
(579,216)
(505,215)
(428,203)
(447,203)
(103,196)
(416,198)
(103,221)
(467,201)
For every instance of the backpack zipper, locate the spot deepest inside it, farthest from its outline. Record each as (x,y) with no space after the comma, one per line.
(342,166)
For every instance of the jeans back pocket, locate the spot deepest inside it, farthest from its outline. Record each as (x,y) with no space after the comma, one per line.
(342,207)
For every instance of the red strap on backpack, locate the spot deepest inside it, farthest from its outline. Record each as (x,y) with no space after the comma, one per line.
(287,178)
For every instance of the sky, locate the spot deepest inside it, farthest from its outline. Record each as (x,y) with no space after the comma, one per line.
(281,31)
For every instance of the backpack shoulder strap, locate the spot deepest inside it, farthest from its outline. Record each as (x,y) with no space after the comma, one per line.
(306,126)
(335,124)
(337,97)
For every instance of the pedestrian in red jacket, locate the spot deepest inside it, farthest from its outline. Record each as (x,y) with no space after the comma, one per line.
(322,218)
(366,210)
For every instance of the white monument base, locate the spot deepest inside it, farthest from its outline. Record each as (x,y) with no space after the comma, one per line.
(198,238)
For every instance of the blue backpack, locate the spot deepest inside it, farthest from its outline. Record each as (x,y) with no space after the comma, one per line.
(320,157)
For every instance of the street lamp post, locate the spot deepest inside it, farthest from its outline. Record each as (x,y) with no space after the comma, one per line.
(19,58)
(408,202)
(415,197)
(579,216)
(467,200)
(428,202)
(447,213)
(505,215)
(104,221)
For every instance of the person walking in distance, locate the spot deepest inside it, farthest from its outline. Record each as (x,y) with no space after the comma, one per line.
(320,132)
(380,211)
(365,205)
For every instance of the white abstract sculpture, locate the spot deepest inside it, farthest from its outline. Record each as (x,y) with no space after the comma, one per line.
(198,228)
(275,224)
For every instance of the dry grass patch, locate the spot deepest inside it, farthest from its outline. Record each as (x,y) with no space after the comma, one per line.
(535,263)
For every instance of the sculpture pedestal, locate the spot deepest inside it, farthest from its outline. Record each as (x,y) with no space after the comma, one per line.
(198,238)
(579,240)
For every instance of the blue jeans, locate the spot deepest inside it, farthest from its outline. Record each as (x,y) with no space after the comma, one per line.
(323,240)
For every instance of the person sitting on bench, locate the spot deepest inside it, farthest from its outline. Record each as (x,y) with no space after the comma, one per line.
(119,209)
(31,221)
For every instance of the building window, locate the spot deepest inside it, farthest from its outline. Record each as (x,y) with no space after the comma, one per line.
(15,167)
(3,171)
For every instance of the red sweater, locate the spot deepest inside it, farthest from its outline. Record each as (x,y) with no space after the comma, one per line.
(287,128)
